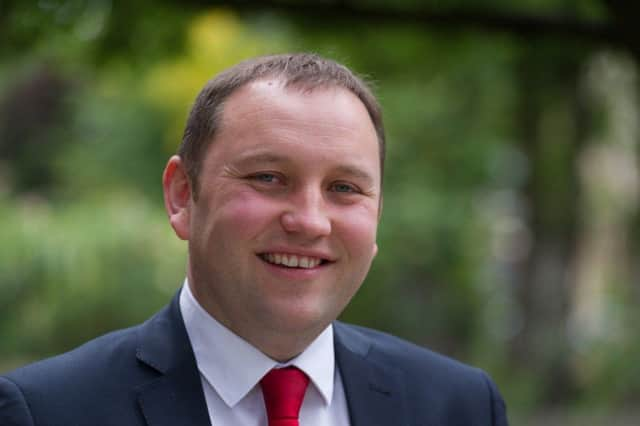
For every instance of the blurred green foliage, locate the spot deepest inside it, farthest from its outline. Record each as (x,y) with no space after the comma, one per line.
(88,267)
(486,134)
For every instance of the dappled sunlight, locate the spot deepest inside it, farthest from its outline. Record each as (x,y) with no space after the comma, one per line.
(216,40)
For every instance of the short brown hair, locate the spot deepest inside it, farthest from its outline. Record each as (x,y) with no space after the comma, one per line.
(304,71)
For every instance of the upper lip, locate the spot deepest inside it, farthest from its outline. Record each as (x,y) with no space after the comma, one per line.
(300,252)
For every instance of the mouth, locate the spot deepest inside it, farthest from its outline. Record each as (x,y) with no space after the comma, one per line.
(293,261)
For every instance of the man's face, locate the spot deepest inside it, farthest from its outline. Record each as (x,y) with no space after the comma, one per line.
(284,228)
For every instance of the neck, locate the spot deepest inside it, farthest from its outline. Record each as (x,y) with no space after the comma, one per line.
(281,348)
(280,342)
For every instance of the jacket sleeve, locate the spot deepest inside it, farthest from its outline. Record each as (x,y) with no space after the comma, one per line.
(498,407)
(13,406)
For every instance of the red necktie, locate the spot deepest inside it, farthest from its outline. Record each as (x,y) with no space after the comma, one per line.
(283,390)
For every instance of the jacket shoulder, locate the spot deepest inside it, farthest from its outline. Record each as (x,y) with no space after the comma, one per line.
(439,384)
(82,360)
(406,355)
(91,380)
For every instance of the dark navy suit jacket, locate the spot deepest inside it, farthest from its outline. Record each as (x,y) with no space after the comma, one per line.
(147,375)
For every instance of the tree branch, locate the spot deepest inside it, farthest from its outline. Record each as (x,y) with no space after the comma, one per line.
(523,26)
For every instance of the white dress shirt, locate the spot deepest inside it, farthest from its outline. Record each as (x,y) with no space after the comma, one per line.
(231,369)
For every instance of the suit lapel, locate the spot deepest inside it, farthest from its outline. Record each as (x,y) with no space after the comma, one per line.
(171,401)
(374,390)
(175,397)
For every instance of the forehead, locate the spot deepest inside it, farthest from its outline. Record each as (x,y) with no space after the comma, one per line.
(269,102)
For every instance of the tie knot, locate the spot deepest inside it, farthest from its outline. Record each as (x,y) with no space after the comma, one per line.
(283,390)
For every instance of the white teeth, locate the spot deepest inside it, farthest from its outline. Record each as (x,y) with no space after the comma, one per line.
(291,260)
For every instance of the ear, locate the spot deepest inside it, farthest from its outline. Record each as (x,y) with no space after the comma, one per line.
(375,245)
(177,196)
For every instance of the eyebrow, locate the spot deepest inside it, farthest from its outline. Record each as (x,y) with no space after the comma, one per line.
(355,172)
(263,157)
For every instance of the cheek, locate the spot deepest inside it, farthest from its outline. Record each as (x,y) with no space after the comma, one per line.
(358,229)
(245,214)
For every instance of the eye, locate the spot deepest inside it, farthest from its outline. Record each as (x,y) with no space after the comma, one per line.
(265,177)
(343,187)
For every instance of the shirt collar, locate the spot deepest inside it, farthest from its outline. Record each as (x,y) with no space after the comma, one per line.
(232,366)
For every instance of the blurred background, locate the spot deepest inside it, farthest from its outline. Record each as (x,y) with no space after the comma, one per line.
(510,234)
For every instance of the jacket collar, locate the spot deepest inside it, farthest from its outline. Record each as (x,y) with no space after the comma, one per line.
(176,395)
(374,389)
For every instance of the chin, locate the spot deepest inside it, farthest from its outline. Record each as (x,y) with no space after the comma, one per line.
(300,321)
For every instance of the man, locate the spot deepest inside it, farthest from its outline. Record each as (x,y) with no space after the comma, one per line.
(277,187)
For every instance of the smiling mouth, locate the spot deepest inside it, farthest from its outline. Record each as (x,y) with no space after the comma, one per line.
(292,260)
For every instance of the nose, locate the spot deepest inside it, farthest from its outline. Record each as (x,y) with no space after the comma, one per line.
(307,215)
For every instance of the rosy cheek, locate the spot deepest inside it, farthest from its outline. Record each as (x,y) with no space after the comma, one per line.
(247,211)
(358,225)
